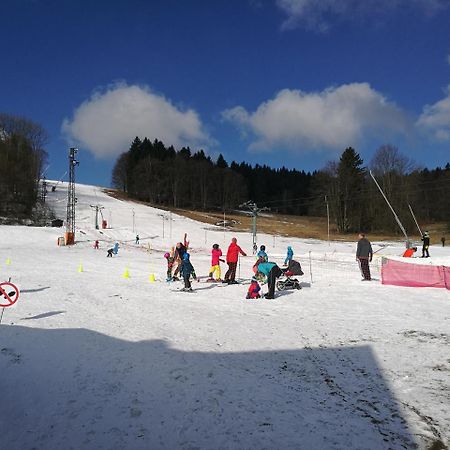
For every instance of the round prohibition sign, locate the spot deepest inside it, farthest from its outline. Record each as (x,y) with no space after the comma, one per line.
(9,294)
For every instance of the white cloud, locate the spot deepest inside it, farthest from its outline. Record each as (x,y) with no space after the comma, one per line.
(317,14)
(106,123)
(435,119)
(329,120)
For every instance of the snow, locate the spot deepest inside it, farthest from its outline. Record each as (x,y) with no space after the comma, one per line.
(92,360)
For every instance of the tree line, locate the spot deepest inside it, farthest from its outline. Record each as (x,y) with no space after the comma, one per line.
(22,157)
(151,172)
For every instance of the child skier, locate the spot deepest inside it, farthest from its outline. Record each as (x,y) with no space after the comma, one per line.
(289,255)
(96,245)
(262,255)
(170,263)
(216,253)
(186,271)
(253,290)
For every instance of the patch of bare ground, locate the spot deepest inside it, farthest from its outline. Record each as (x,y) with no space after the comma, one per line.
(284,225)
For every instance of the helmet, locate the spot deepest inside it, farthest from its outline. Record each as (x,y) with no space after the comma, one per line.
(166,255)
(216,246)
(262,248)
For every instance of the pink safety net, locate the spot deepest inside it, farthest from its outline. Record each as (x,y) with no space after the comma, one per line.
(414,275)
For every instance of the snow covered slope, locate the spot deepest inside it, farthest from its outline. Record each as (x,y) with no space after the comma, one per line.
(92,360)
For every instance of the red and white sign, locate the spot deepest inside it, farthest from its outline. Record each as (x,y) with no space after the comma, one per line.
(9,294)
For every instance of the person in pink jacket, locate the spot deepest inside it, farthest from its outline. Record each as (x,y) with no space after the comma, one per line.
(216,253)
(232,260)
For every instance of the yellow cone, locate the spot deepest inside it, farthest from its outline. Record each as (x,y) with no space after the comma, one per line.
(126,274)
(151,278)
(8,261)
(80,268)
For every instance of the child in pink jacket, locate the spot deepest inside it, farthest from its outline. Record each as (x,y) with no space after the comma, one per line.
(216,253)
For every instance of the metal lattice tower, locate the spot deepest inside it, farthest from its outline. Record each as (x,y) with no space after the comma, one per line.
(253,208)
(43,190)
(71,199)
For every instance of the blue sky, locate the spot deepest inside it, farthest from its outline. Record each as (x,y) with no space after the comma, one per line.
(278,82)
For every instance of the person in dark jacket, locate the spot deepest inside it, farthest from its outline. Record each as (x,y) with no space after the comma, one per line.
(272,272)
(426,244)
(186,271)
(180,250)
(364,255)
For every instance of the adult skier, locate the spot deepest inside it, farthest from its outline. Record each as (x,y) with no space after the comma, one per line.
(232,261)
(426,244)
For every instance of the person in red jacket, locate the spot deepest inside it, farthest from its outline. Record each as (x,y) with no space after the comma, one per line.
(409,252)
(232,260)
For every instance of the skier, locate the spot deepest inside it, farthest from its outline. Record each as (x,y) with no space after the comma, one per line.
(426,244)
(96,245)
(109,253)
(254,289)
(170,263)
(186,271)
(137,239)
(364,255)
(271,271)
(289,255)
(116,248)
(443,241)
(180,250)
(262,255)
(232,261)
(216,253)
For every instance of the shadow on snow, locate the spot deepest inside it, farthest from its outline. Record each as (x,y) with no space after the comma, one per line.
(91,391)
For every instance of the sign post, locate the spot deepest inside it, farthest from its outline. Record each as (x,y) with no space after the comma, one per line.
(9,294)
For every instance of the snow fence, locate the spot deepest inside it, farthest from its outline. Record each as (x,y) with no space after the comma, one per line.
(409,274)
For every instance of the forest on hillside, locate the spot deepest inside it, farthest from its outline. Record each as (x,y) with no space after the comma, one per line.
(151,172)
(22,157)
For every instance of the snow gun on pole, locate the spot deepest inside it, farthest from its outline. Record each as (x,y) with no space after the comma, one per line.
(415,220)
(391,208)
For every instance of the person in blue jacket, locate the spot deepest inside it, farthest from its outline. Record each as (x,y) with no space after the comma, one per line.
(116,248)
(272,272)
(262,255)
(289,255)
(186,271)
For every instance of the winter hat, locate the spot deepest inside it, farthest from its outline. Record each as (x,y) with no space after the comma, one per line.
(262,248)
(166,255)
(215,246)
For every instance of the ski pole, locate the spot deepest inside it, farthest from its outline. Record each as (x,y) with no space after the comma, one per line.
(310,267)
(239,270)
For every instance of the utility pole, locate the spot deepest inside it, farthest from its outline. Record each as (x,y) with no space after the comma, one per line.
(71,199)
(253,208)
(328,219)
(44,190)
(97,208)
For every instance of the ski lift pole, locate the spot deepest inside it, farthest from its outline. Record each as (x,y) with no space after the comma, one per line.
(414,217)
(391,208)
(310,267)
